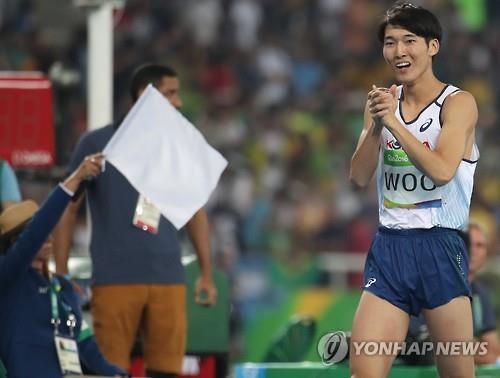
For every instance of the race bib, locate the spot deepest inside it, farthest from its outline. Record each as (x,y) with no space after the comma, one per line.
(405,186)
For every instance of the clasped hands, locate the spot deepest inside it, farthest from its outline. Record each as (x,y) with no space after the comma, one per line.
(382,104)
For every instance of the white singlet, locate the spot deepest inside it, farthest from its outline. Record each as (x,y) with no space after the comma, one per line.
(408,198)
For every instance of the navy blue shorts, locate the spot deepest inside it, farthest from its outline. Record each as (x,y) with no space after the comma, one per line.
(418,268)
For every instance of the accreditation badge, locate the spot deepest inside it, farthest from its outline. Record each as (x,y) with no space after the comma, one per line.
(67,354)
(146,215)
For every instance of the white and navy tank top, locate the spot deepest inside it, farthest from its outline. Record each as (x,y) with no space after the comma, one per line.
(408,198)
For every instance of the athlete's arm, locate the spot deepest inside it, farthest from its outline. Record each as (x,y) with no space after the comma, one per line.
(459,116)
(365,158)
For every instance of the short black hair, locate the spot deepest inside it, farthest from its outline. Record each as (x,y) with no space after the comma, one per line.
(416,19)
(149,73)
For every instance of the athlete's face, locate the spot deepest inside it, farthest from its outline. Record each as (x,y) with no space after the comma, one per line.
(478,249)
(408,55)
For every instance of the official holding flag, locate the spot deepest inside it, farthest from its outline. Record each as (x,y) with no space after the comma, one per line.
(138,278)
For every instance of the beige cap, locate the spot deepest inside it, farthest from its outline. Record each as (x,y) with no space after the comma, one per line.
(16,216)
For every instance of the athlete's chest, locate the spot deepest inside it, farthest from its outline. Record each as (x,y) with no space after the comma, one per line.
(426,128)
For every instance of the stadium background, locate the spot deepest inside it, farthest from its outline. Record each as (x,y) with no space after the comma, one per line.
(278,87)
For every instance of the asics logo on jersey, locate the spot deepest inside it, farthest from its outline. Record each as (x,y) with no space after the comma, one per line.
(426,125)
(370,282)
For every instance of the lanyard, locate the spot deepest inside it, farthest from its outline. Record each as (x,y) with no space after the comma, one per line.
(55,288)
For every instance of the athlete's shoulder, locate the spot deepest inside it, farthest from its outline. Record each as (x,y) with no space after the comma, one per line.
(460,102)
(458,96)
(462,95)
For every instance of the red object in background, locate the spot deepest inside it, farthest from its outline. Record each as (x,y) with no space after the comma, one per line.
(26,120)
(137,367)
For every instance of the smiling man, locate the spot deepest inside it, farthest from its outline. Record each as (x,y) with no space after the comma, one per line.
(419,136)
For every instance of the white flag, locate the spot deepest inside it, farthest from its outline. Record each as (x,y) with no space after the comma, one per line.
(165,158)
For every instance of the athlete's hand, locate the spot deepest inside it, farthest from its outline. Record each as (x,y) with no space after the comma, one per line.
(382,104)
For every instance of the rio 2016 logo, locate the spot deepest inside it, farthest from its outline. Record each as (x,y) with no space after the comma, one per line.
(333,347)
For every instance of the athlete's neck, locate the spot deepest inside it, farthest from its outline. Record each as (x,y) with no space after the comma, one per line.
(421,92)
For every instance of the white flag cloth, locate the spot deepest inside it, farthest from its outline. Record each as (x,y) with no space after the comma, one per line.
(165,158)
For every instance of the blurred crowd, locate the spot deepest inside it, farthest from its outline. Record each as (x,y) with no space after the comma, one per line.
(278,87)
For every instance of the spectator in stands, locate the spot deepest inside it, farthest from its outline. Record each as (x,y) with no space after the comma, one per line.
(483,313)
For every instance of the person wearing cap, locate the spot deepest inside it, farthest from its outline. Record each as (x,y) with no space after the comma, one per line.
(41,329)
(483,312)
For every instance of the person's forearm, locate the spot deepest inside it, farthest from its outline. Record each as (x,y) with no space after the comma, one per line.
(429,162)
(198,229)
(365,159)
(33,236)
(63,237)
